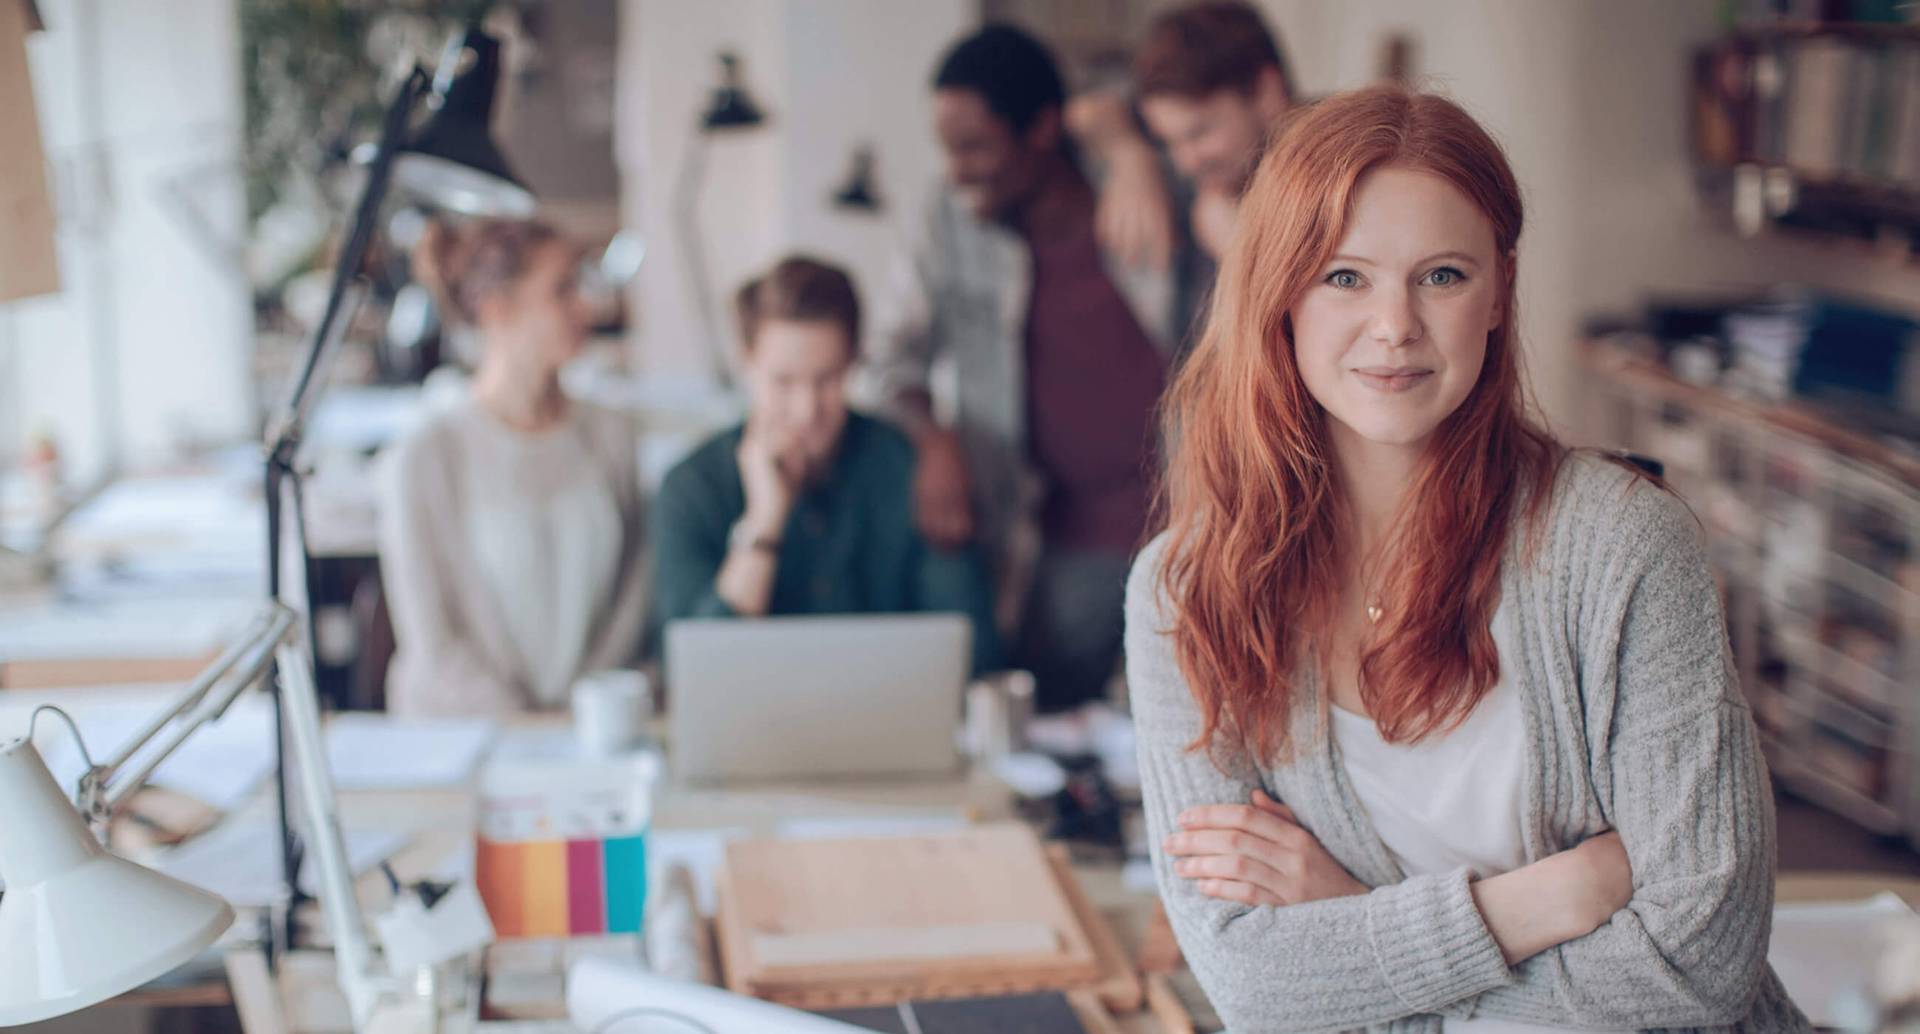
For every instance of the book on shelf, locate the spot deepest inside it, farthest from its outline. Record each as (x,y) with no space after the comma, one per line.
(1828,107)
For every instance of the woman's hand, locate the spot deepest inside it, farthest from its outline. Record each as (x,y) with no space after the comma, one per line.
(1559,898)
(1256,854)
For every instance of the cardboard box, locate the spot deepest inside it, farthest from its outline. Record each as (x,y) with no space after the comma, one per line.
(562,839)
(28,265)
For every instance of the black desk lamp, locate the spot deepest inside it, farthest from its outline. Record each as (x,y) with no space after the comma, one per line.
(450,162)
(732,107)
(860,193)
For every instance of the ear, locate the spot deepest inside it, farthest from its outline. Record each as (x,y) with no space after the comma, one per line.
(1044,133)
(1500,313)
(1270,94)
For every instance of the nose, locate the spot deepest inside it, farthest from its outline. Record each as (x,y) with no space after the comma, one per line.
(1395,319)
(961,170)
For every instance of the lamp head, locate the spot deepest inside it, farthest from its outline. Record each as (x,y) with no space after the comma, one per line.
(79,925)
(452,161)
(732,107)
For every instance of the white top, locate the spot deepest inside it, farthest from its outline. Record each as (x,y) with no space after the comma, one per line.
(545,528)
(512,559)
(1452,800)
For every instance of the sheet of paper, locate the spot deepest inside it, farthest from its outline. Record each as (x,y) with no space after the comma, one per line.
(1825,953)
(175,625)
(374,752)
(603,995)
(240,860)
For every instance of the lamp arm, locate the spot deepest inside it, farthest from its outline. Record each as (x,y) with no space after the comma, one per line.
(353,954)
(259,628)
(283,431)
(687,188)
(109,784)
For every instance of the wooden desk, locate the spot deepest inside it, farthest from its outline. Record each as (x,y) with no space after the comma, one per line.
(1797,887)
(304,997)
(305,1000)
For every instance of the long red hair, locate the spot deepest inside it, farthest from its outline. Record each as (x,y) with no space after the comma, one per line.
(1252,501)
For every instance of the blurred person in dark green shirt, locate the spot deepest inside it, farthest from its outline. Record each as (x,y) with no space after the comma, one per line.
(807,507)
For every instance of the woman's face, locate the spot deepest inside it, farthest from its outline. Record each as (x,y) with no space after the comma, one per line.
(796,373)
(542,315)
(1391,336)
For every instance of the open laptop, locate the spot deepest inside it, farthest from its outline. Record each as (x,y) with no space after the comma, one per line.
(810,697)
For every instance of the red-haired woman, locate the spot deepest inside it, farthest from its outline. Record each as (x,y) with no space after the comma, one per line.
(1438,726)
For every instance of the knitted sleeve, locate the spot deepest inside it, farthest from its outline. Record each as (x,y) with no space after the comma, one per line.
(1677,768)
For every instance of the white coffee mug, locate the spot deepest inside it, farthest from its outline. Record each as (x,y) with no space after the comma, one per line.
(610,711)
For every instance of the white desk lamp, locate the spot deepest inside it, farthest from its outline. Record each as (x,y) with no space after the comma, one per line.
(79,925)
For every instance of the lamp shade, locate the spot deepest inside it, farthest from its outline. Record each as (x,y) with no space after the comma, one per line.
(858,193)
(731,106)
(79,925)
(452,161)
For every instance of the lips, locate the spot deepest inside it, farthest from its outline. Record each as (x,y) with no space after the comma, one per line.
(1393,379)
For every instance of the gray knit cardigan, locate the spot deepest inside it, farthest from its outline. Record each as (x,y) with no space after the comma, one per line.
(1635,722)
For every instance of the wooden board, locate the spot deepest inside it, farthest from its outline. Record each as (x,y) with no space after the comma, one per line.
(777,952)
(1093,1015)
(980,876)
(1118,984)
(1172,1016)
(1111,980)
(1159,950)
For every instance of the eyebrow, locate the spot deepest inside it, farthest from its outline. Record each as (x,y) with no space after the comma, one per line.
(1460,256)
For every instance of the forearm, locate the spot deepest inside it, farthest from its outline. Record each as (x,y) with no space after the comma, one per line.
(1103,123)
(1538,906)
(1688,949)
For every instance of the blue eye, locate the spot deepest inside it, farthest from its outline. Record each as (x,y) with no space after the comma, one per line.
(1446,276)
(1344,279)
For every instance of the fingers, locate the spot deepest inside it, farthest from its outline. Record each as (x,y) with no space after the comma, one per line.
(1235,891)
(1273,807)
(1233,867)
(792,465)
(1245,817)
(1217,841)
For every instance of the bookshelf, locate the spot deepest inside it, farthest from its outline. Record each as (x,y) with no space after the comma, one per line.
(1813,126)
(1814,530)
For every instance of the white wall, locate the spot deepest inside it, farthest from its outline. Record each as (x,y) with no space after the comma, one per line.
(829,73)
(146,348)
(1589,99)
